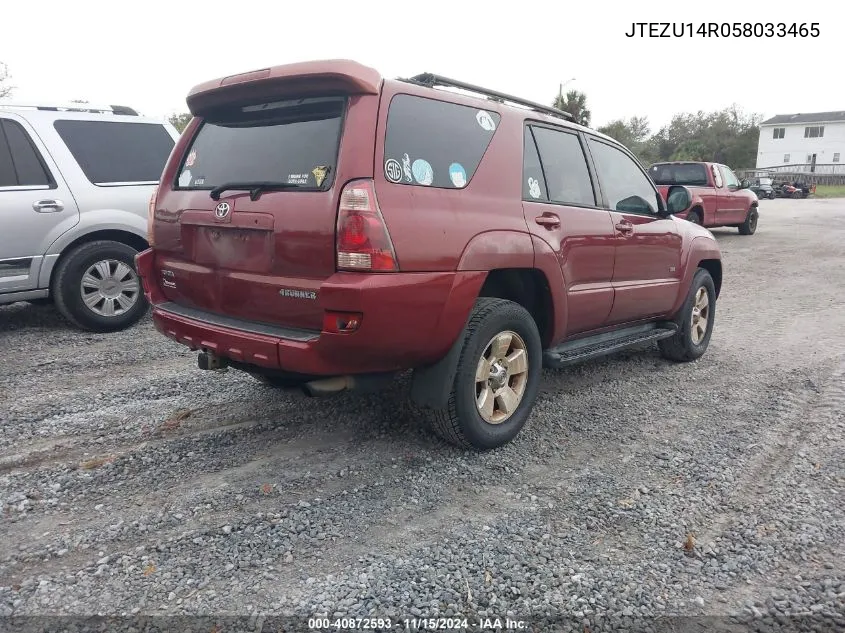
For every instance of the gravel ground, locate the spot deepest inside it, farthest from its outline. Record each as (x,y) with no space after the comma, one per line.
(133,483)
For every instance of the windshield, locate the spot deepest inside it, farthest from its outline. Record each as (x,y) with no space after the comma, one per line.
(690,174)
(293,142)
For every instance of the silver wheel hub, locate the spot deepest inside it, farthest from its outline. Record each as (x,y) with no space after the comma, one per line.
(501,377)
(109,288)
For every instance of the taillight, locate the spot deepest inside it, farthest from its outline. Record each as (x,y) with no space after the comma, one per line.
(151,217)
(363,242)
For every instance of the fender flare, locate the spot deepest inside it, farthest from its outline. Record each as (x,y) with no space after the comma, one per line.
(701,248)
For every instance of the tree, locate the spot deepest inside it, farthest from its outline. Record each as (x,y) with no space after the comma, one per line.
(576,104)
(5,87)
(633,133)
(180,121)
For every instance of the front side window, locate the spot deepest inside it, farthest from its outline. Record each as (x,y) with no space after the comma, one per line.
(624,184)
(730,178)
(565,167)
(434,143)
(21,164)
(836,157)
(113,152)
(293,142)
(786,158)
(779,132)
(814,131)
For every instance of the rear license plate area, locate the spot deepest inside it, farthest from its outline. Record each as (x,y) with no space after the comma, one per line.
(247,250)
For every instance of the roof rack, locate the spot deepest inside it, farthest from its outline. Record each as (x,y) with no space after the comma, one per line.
(431,80)
(71,107)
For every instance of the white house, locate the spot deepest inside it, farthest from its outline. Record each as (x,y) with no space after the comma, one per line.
(803,140)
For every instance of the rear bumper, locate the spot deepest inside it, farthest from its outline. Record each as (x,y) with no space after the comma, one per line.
(409,320)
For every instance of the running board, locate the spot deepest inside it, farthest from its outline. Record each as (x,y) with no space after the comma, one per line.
(591,347)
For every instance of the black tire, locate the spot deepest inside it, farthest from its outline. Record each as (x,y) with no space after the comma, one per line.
(694,217)
(749,227)
(461,422)
(681,347)
(67,287)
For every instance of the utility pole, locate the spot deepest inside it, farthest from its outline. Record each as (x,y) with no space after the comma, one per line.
(560,91)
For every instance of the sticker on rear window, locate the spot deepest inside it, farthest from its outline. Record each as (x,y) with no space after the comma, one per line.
(406,168)
(320,174)
(297,179)
(191,159)
(458,175)
(393,170)
(423,173)
(533,188)
(485,120)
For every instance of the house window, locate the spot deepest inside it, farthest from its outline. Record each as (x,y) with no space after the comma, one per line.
(816,131)
(836,157)
(809,158)
(778,132)
(786,158)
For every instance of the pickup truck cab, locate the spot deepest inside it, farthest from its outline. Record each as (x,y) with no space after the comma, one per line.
(719,197)
(320,226)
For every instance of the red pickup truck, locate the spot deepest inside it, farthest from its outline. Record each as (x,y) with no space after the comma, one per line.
(719,197)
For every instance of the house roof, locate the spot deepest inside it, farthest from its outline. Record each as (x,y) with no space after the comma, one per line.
(806,117)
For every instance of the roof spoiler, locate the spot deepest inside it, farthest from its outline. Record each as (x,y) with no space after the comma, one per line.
(300,80)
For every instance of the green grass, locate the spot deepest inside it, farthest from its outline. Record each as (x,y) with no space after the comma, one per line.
(830,191)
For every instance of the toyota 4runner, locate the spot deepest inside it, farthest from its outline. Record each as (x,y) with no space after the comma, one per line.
(319,226)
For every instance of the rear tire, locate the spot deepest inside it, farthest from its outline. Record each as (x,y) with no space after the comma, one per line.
(279,381)
(693,335)
(96,287)
(749,227)
(497,377)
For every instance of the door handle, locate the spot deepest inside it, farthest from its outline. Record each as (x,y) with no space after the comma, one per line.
(48,206)
(625,227)
(549,220)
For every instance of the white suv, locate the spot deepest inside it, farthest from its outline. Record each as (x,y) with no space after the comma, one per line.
(75,185)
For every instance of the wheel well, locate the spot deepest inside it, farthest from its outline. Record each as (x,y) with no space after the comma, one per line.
(114,235)
(529,288)
(714,267)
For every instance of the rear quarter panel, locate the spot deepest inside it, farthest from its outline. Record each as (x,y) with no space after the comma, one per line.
(431,228)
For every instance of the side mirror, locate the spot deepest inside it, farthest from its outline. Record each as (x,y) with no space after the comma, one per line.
(678,199)
(744,184)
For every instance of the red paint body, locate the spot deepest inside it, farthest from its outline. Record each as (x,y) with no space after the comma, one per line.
(718,203)
(446,243)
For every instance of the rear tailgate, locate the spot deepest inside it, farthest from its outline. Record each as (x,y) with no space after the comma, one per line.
(261,255)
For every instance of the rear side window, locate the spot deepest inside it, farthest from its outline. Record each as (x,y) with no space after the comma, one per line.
(20,163)
(533,180)
(565,167)
(293,142)
(435,143)
(112,152)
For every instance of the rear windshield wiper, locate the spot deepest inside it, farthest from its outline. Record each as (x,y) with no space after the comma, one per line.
(254,188)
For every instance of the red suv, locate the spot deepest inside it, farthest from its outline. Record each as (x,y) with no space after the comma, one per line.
(320,226)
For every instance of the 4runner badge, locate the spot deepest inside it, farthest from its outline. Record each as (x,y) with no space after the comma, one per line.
(222,210)
(298,294)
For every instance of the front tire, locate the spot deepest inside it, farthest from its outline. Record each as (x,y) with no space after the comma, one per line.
(497,377)
(96,287)
(694,217)
(749,227)
(695,321)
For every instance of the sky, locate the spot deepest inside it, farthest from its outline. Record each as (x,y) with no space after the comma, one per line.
(148,54)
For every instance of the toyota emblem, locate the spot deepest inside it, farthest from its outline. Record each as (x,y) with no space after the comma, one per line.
(222,210)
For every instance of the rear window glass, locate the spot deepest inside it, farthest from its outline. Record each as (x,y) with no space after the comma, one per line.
(692,175)
(434,143)
(113,152)
(292,142)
